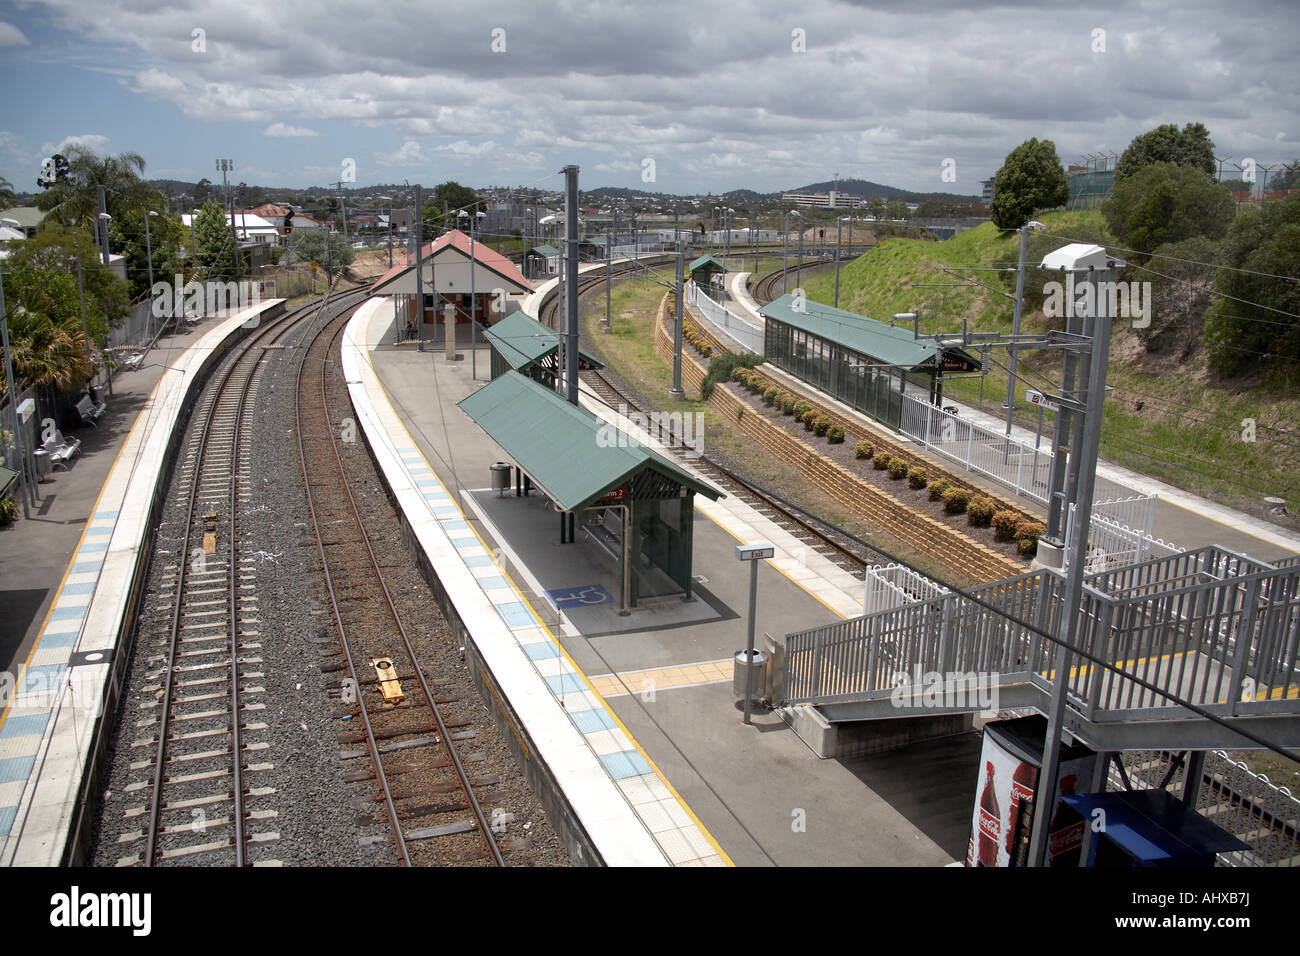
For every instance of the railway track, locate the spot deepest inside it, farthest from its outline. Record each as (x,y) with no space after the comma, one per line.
(204,804)
(768,287)
(415,777)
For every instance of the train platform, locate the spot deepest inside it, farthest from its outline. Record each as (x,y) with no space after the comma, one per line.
(634,713)
(1182,518)
(68,575)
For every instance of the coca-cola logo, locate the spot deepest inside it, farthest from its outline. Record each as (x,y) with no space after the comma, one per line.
(1065,840)
(989,824)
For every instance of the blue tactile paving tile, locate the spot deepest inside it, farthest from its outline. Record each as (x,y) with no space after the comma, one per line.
(625,763)
(58,639)
(7,815)
(565,684)
(477,560)
(592,721)
(85,587)
(87,567)
(466,544)
(93,548)
(24,726)
(494,582)
(541,651)
(516,614)
(16,768)
(73,613)
(455,526)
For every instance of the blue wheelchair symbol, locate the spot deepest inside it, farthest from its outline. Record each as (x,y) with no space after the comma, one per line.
(589,595)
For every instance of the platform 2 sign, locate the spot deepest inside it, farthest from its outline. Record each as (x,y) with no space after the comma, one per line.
(582,595)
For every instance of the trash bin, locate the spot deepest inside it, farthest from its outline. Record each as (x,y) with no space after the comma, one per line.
(97,394)
(43,466)
(741,670)
(500,478)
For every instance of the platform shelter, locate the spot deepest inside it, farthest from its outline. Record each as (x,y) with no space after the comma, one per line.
(866,364)
(543,260)
(521,343)
(447,280)
(634,504)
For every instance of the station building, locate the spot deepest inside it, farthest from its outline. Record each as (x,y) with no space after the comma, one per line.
(448,279)
(864,363)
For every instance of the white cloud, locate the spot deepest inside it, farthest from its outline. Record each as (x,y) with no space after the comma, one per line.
(10,35)
(91,141)
(283,129)
(411,154)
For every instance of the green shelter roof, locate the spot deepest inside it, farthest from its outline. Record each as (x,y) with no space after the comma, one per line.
(28,216)
(889,344)
(564,448)
(706,260)
(522,340)
(547,251)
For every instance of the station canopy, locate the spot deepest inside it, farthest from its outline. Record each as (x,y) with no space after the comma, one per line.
(888,344)
(706,260)
(563,449)
(525,343)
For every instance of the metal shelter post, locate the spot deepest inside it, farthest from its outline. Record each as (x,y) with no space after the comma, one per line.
(571,281)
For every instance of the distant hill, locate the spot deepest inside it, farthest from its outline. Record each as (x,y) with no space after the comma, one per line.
(865,189)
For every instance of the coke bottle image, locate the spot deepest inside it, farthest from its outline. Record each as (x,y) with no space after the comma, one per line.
(1065,835)
(1023,782)
(990,826)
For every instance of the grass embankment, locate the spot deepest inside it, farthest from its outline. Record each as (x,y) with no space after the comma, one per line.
(629,351)
(1189,428)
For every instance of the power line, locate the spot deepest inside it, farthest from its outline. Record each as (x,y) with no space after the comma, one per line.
(1213,265)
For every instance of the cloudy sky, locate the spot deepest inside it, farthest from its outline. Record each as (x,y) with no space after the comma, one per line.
(700,96)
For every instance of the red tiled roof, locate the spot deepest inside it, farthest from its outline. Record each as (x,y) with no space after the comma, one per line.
(485,255)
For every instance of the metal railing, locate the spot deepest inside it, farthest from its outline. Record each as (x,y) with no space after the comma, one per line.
(890,586)
(744,333)
(1111,543)
(1209,627)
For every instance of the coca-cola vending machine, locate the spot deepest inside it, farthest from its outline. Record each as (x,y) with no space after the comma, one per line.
(1004,799)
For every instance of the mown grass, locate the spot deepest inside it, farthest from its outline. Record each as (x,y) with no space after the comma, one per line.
(1189,431)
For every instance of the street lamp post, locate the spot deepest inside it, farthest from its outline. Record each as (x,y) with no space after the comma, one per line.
(148,251)
(785,244)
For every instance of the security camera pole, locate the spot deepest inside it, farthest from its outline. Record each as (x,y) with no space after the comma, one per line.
(571,280)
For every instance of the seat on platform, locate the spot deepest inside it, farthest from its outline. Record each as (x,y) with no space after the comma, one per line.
(89,410)
(60,449)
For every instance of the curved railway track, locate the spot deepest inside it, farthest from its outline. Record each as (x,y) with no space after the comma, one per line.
(768,286)
(404,731)
(207,691)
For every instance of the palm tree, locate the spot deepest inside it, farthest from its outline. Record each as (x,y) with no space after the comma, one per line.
(74,200)
(46,354)
(6,193)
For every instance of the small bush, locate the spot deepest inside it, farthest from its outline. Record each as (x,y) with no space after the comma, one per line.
(898,469)
(1004,525)
(786,402)
(864,450)
(756,384)
(799,409)
(980,512)
(808,418)
(705,349)
(956,501)
(1027,546)
(1027,534)
(740,413)
(769,395)
(938,488)
(727,366)
(821,425)
(835,434)
(918,478)
(880,462)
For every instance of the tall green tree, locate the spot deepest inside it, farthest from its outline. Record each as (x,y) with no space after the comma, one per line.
(74,200)
(217,255)
(1190,146)
(1256,328)
(1031,178)
(309,245)
(1165,202)
(166,236)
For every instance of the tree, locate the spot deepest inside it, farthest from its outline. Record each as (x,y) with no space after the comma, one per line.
(455,196)
(6,193)
(1031,178)
(309,244)
(1164,203)
(1288,177)
(74,200)
(126,236)
(1182,293)
(1166,144)
(1256,328)
(40,285)
(217,254)
(202,192)
(877,205)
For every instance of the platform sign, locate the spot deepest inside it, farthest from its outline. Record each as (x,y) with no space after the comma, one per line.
(1034,397)
(582,595)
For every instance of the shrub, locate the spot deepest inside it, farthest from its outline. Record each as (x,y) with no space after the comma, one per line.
(1027,546)
(864,450)
(898,468)
(880,462)
(8,511)
(787,403)
(799,409)
(821,425)
(725,366)
(756,384)
(835,434)
(938,488)
(955,501)
(981,510)
(1027,533)
(769,395)
(705,349)
(918,477)
(808,418)
(1004,525)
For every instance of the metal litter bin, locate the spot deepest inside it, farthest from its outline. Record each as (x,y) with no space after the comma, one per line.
(755,670)
(500,478)
(43,466)
(97,394)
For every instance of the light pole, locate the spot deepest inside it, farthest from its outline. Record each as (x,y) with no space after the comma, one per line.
(13,403)
(390,229)
(752,553)
(1015,323)
(148,251)
(785,244)
(839,221)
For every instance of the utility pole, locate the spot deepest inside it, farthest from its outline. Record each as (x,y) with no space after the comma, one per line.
(571,280)
(1015,330)
(419,272)
(679,289)
(839,222)
(102,222)
(609,272)
(224,166)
